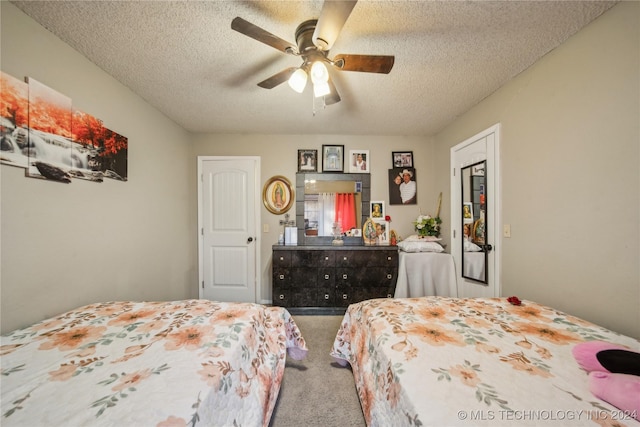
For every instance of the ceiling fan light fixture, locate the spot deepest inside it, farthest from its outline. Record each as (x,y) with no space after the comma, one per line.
(319,73)
(321,89)
(298,80)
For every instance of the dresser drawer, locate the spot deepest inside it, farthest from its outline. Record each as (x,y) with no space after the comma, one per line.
(345,296)
(367,258)
(366,276)
(282,298)
(294,277)
(312,259)
(326,277)
(326,296)
(281,259)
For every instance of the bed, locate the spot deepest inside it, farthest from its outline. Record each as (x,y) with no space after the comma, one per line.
(439,361)
(177,363)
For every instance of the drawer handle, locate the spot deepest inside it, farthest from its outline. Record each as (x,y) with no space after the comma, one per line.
(344,276)
(326,277)
(345,296)
(344,258)
(326,258)
(388,258)
(281,258)
(282,277)
(389,276)
(326,296)
(281,296)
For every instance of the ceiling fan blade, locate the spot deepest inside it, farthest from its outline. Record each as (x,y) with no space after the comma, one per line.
(332,18)
(257,33)
(277,78)
(334,96)
(366,63)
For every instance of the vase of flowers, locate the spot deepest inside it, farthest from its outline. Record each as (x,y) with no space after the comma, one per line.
(427,226)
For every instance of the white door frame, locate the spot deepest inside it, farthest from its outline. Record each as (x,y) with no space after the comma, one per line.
(494,181)
(257,219)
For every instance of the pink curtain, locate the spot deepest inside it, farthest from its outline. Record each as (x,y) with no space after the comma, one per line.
(346,210)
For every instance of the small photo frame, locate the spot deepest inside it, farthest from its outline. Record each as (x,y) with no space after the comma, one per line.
(467,213)
(333,158)
(278,195)
(369,233)
(402,159)
(382,231)
(377,210)
(307,160)
(359,161)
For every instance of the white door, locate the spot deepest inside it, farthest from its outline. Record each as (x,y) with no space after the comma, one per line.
(228,218)
(477,263)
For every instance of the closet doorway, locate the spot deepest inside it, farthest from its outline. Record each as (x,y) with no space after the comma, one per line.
(228,224)
(475,214)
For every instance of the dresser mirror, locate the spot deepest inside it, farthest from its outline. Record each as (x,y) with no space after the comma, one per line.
(474,210)
(323,199)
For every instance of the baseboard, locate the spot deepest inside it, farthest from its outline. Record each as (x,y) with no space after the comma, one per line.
(317,311)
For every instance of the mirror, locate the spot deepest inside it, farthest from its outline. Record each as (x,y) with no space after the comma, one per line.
(474,210)
(324,199)
(329,202)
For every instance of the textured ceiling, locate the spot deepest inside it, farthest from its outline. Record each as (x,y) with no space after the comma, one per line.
(183,58)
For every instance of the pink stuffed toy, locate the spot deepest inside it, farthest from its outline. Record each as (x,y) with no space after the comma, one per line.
(614,374)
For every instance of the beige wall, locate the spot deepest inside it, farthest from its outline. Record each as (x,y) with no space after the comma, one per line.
(64,245)
(570,182)
(278,154)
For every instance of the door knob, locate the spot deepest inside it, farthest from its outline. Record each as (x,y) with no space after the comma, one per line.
(487,248)
(250,239)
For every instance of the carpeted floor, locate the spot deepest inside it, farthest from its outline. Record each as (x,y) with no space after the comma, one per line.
(317,391)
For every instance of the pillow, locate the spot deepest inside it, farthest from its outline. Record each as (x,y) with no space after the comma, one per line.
(416,238)
(409,246)
(471,247)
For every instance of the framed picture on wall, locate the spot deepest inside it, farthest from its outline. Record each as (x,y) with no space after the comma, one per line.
(333,158)
(377,210)
(359,161)
(278,195)
(403,189)
(402,159)
(307,160)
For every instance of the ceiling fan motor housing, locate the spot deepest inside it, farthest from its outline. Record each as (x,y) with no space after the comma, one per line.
(304,36)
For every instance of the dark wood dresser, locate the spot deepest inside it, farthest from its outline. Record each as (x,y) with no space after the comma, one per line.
(329,278)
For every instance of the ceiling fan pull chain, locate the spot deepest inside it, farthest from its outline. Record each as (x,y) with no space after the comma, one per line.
(318,103)
(313,104)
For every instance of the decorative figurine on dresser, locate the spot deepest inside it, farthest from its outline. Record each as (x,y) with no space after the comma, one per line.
(317,275)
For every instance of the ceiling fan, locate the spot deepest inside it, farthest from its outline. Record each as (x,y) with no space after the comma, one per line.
(314,39)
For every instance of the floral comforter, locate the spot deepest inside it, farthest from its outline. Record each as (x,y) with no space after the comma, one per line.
(439,361)
(193,362)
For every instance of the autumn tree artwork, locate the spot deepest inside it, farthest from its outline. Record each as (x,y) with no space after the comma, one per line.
(42,132)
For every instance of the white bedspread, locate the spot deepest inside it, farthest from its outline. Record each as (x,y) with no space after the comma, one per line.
(472,362)
(426,274)
(165,364)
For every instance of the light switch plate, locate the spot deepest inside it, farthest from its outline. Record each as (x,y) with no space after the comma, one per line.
(506,230)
